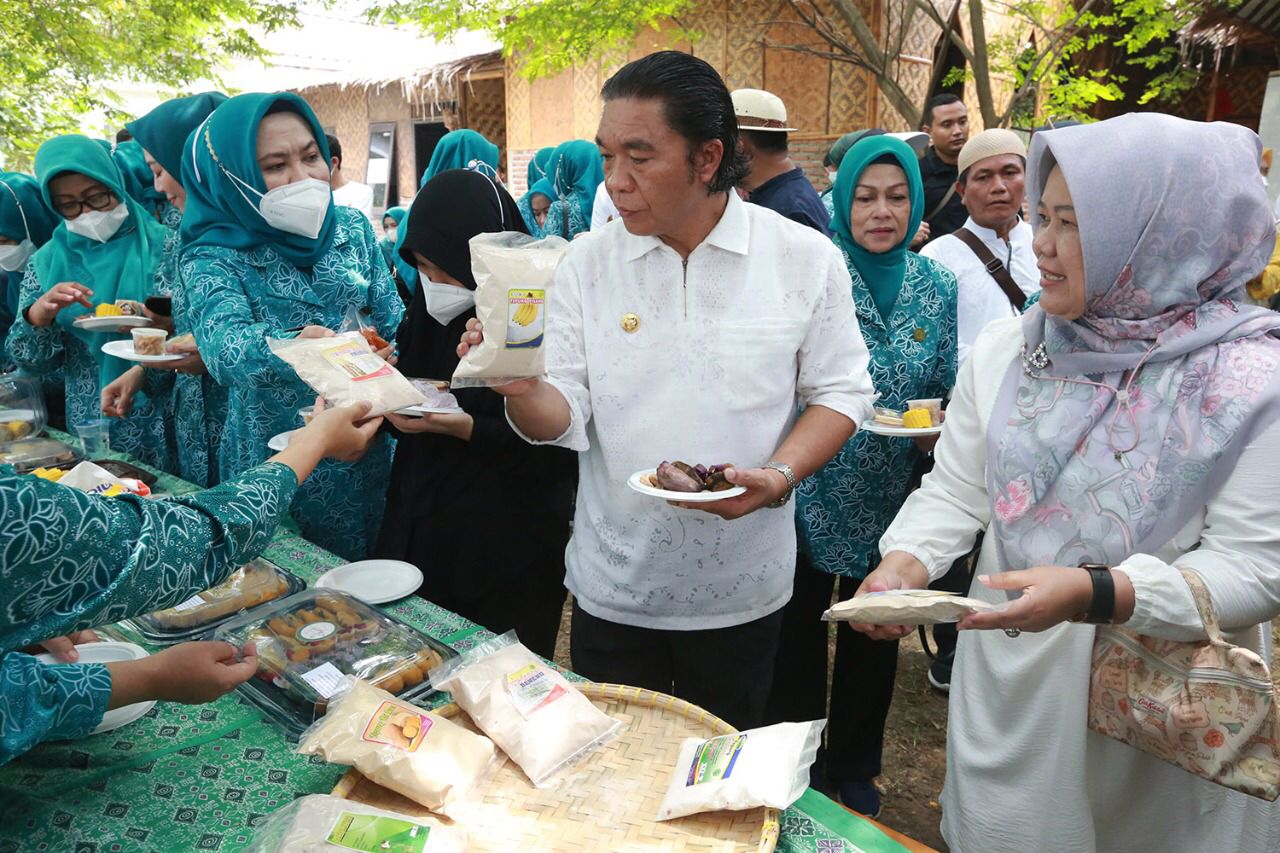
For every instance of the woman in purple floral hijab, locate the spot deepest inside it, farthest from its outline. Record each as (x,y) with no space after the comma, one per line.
(1131,421)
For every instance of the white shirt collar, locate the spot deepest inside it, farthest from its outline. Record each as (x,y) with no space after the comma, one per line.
(732,233)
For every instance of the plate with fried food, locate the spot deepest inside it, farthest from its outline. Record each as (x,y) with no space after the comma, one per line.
(680,481)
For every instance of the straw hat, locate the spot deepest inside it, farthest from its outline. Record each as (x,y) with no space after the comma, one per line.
(757,109)
(989,143)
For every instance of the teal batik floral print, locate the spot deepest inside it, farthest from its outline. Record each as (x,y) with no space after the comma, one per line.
(142,435)
(195,405)
(560,212)
(844,509)
(69,561)
(239,298)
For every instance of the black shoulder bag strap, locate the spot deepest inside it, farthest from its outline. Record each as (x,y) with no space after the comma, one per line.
(994,266)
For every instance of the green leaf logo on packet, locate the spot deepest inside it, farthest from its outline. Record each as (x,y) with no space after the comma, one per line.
(378,834)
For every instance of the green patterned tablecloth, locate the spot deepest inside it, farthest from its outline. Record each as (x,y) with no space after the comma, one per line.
(186,778)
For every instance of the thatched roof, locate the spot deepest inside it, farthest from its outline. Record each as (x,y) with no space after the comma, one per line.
(1255,24)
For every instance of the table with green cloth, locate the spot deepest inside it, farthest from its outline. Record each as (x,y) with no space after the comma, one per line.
(201,777)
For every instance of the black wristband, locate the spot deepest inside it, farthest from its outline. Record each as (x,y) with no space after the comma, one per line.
(1102,608)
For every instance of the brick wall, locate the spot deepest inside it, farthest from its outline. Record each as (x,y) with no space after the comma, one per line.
(518,170)
(808,153)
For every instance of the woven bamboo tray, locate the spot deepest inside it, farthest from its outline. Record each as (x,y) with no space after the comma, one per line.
(608,802)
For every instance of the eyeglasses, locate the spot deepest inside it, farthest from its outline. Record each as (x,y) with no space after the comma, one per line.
(97,201)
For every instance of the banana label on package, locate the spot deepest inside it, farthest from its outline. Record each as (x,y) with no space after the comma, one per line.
(526,315)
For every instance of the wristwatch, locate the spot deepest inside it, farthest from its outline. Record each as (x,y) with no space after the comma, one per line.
(1102,607)
(792,482)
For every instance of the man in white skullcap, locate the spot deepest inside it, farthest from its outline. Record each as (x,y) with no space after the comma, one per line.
(991,254)
(775,181)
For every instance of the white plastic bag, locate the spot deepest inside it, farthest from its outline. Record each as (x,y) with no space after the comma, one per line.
(542,722)
(345,370)
(747,770)
(905,607)
(432,761)
(514,275)
(320,823)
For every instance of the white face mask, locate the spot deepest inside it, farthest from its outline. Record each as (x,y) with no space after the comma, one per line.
(390,234)
(14,258)
(296,208)
(445,302)
(100,225)
(831,176)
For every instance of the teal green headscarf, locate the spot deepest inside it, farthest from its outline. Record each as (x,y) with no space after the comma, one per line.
(219,212)
(408,273)
(164,130)
(883,272)
(124,267)
(538,166)
(139,180)
(579,171)
(458,149)
(23,212)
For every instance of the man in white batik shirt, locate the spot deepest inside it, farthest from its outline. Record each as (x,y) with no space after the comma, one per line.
(694,328)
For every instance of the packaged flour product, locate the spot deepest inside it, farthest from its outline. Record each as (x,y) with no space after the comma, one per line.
(323,824)
(421,755)
(542,722)
(345,370)
(905,607)
(747,770)
(514,275)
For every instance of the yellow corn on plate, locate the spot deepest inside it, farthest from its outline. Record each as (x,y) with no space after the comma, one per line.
(916,419)
(107,309)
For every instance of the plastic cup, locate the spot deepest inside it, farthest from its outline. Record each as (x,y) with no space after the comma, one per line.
(95,438)
(149,341)
(307,413)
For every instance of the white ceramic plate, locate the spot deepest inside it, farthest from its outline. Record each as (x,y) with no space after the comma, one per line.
(110,324)
(281,441)
(373,581)
(110,652)
(637,484)
(124,349)
(901,432)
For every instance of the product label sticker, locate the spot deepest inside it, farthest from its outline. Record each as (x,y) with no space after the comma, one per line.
(378,834)
(398,726)
(314,632)
(714,759)
(190,604)
(526,316)
(354,358)
(532,688)
(324,679)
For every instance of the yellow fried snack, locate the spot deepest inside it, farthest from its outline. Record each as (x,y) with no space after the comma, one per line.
(51,474)
(916,419)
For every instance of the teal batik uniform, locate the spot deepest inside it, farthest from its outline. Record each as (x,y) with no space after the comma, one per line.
(23,217)
(542,170)
(247,281)
(906,309)
(196,405)
(579,170)
(69,561)
(407,273)
(124,267)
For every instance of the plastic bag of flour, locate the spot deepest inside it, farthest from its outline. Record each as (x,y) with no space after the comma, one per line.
(345,370)
(514,275)
(432,761)
(747,770)
(542,722)
(320,823)
(905,607)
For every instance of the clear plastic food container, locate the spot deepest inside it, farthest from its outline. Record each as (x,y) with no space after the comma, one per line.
(249,586)
(22,411)
(307,642)
(28,454)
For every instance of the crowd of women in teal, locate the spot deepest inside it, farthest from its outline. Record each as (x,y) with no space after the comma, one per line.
(906,307)
(196,404)
(248,278)
(536,201)
(106,248)
(577,171)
